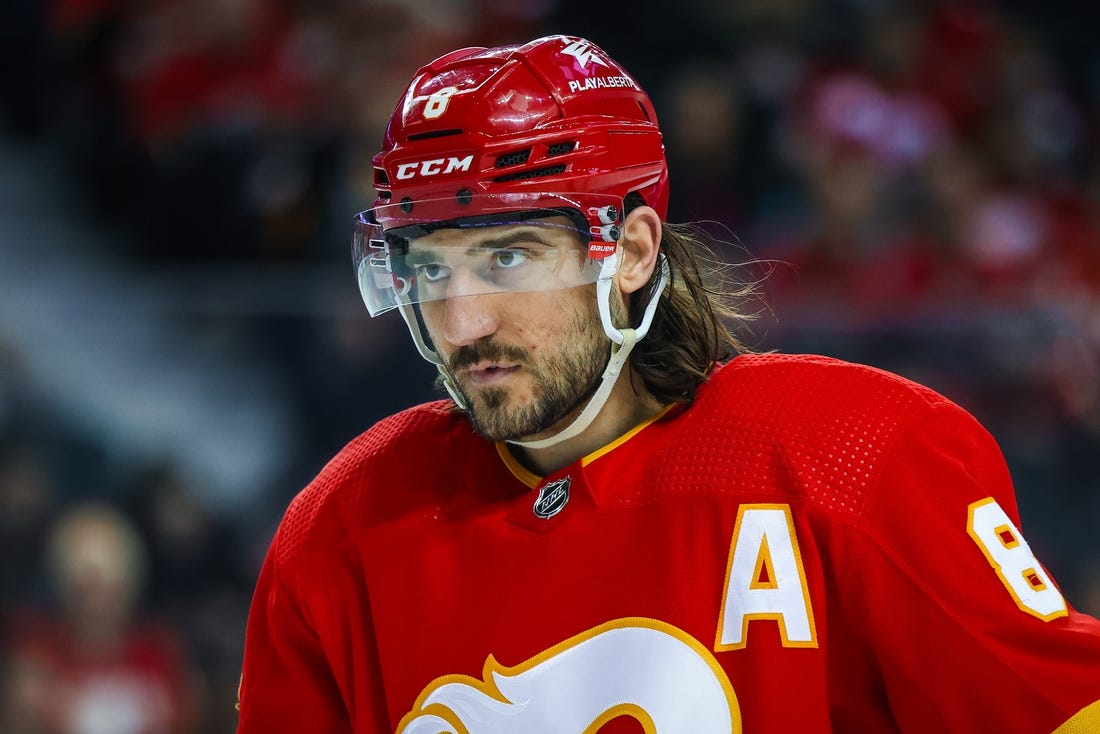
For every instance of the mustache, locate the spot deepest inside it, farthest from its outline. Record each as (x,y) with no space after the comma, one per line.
(489,351)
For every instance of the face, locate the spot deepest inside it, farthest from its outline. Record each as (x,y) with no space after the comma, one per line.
(523,360)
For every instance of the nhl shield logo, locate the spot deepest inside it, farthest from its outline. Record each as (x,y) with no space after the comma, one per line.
(552,498)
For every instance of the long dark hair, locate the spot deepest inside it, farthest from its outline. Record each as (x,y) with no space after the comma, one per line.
(693,326)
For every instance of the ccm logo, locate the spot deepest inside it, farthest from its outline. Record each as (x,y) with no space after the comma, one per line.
(434,167)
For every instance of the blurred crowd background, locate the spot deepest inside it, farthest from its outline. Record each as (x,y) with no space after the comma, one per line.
(181,341)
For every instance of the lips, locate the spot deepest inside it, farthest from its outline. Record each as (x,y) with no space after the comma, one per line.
(484,375)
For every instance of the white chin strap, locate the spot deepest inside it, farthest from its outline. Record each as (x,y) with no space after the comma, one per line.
(623,341)
(409,314)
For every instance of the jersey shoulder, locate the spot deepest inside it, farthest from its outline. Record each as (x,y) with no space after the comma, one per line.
(795,427)
(804,381)
(383,473)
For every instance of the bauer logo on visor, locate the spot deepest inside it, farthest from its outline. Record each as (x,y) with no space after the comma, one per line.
(432,250)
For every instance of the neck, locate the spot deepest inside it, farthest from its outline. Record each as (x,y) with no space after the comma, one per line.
(628,405)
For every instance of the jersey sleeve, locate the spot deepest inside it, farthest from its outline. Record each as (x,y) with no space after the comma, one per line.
(287,681)
(286,684)
(970,631)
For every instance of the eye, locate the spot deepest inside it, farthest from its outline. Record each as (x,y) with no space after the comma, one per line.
(510,258)
(432,272)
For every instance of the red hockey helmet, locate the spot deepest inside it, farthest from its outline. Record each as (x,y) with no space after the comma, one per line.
(556,114)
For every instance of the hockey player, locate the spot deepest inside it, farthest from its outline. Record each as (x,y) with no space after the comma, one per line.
(621,520)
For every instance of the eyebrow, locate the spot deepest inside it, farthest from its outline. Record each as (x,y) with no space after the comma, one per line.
(525,234)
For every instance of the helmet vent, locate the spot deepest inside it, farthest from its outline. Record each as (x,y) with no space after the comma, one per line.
(538,173)
(561,148)
(514,158)
(435,134)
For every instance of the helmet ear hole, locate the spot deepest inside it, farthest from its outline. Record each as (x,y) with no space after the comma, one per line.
(632,201)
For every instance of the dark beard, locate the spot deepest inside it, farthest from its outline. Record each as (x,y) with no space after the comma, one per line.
(560,385)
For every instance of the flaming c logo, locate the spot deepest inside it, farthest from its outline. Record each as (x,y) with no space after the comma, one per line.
(637,667)
(583,52)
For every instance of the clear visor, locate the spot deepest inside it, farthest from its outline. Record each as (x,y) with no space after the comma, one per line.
(509,243)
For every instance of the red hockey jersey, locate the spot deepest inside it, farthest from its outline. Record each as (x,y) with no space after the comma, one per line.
(812,546)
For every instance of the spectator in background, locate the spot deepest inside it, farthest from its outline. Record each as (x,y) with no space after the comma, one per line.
(27,499)
(93,664)
(196,582)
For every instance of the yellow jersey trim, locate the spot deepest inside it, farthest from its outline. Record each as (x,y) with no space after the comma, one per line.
(586,460)
(518,470)
(533,480)
(1085,721)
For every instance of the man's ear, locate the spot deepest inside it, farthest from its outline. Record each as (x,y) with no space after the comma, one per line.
(641,241)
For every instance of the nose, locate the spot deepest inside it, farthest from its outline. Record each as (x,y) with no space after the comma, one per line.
(468,315)
(467,319)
